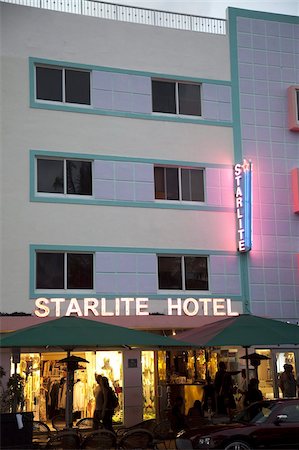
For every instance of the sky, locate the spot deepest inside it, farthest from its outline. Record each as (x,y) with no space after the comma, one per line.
(215,8)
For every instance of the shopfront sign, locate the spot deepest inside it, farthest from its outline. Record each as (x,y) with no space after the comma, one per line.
(131,306)
(243,204)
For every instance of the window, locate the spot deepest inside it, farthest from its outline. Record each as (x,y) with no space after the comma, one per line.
(64,176)
(291,412)
(64,270)
(183,273)
(177,183)
(293,108)
(174,97)
(62,85)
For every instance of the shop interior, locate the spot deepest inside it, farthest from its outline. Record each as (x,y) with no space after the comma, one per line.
(45,383)
(165,375)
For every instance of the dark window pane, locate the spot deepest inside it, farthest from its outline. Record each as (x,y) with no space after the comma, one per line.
(159,183)
(196,273)
(79,177)
(189,99)
(192,185)
(170,273)
(50,176)
(172,184)
(49,271)
(163,93)
(49,84)
(79,271)
(77,87)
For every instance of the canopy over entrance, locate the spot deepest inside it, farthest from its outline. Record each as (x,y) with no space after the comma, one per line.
(244,330)
(73,332)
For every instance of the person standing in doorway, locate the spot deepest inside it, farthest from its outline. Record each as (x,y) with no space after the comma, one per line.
(287,382)
(108,406)
(99,402)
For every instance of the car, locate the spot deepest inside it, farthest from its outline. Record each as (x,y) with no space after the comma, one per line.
(267,424)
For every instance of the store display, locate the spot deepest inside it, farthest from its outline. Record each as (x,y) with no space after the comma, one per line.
(45,383)
(148,382)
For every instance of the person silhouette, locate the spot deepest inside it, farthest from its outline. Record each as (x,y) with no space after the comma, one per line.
(287,382)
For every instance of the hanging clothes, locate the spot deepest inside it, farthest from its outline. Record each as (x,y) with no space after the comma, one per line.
(53,399)
(62,394)
(79,396)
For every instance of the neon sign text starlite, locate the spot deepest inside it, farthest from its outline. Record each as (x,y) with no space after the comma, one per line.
(243,204)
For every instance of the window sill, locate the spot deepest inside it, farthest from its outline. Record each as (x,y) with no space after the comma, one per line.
(184,293)
(48,195)
(74,108)
(57,103)
(62,292)
(179,202)
(182,116)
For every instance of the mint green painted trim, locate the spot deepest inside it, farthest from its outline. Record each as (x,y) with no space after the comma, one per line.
(93,248)
(273,17)
(32,176)
(90,110)
(31,82)
(82,201)
(243,258)
(104,112)
(237,139)
(33,61)
(154,296)
(34,153)
(96,249)
(32,270)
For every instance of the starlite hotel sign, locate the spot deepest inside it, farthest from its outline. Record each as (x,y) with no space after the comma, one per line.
(243,204)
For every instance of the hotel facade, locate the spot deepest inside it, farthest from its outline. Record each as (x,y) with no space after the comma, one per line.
(149,179)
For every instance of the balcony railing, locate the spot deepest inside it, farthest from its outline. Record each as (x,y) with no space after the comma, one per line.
(131,14)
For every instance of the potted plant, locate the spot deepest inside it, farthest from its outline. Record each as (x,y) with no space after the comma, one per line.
(16,425)
(12,398)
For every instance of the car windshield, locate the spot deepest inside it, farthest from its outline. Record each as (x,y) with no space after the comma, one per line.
(255,413)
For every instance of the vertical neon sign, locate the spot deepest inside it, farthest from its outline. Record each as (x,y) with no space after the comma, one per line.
(243,203)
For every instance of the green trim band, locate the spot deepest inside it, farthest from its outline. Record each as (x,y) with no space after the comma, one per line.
(273,17)
(34,197)
(33,60)
(82,201)
(97,249)
(90,110)
(133,294)
(134,159)
(103,112)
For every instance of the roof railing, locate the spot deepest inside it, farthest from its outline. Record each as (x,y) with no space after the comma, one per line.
(133,14)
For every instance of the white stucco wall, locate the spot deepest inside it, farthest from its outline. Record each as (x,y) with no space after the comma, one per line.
(59,36)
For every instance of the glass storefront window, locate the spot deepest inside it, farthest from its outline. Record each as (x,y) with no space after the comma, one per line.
(28,369)
(265,374)
(162,365)
(148,383)
(45,383)
(110,365)
(283,358)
